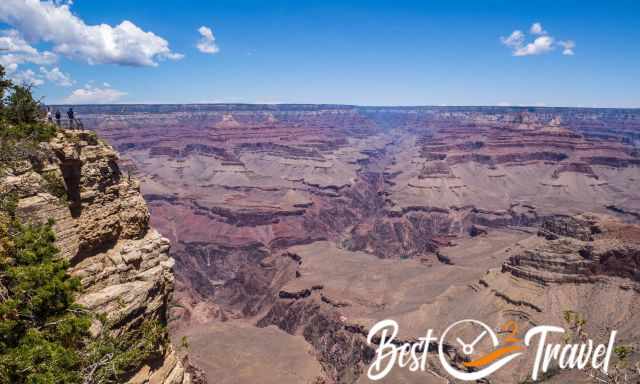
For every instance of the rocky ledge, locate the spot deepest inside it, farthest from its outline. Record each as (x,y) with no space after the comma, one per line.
(102,228)
(578,249)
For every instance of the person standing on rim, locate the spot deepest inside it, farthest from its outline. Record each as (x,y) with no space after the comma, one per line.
(71,119)
(58,116)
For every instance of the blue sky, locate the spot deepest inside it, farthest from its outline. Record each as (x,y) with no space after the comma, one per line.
(353,52)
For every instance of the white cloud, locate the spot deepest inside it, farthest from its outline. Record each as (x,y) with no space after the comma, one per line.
(94,95)
(14,50)
(567,47)
(53,22)
(10,40)
(543,43)
(504,104)
(536,29)
(540,45)
(55,75)
(516,39)
(207,43)
(27,77)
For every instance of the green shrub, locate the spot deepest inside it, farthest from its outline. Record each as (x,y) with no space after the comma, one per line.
(20,114)
(44,335)
(109,359)
(40,333)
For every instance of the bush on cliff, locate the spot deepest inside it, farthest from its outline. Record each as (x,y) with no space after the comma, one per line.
(20,114)
(22,127)
(44,336)
(40,327)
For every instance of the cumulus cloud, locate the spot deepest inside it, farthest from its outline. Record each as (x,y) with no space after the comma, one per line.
(94,95)
(55,75)
(567,47)
(541,44)
(536,29)
(207,43)
(15,50)
(10,40)
(516,39)
(53,22)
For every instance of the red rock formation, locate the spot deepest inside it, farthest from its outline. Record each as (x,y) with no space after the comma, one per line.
(237,187)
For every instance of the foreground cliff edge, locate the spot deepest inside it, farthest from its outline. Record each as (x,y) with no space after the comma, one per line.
(101,227)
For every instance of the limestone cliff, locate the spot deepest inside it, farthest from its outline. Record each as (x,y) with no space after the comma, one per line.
(102,228)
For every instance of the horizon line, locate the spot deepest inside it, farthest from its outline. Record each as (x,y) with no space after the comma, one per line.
(344,105)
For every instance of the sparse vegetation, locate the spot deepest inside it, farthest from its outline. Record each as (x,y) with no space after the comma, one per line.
(623,370)
(20,114)
(22,127)
(108,359)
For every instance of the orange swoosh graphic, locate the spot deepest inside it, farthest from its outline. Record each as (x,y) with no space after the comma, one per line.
(484,360)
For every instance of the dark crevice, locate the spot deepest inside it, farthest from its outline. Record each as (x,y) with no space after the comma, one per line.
(71,171)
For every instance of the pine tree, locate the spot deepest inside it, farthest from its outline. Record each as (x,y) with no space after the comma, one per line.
(41,329)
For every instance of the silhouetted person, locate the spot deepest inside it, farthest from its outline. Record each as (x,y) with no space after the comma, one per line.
(71,118)
(49,117)
(58,116)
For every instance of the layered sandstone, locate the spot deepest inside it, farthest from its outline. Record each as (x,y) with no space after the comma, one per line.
(102,228)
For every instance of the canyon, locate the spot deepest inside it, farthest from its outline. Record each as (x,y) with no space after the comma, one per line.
(295,228)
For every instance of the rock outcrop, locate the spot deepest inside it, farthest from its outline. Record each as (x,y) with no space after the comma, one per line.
(102,228)
(580,249)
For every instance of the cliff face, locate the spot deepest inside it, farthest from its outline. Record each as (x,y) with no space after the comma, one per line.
(102,228)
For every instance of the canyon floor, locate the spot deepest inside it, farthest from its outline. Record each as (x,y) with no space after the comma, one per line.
(295,228)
